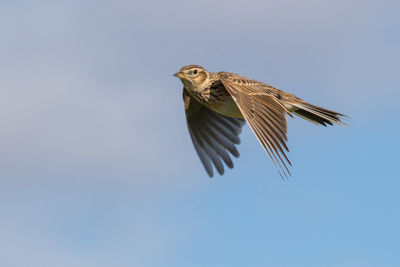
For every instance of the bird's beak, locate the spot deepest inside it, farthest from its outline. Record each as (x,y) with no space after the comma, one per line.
(179,75)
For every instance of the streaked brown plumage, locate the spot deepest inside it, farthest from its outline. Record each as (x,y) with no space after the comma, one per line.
(217,105)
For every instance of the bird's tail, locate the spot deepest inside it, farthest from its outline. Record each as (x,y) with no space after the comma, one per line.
(317,114)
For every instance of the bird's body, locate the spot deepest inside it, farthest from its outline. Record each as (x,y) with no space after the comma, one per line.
(218,103)
(215,97)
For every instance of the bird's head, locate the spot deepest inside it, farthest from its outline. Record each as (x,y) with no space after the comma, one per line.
(192,76)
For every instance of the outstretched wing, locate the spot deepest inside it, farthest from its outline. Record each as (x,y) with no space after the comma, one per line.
(265,114)
(213,135)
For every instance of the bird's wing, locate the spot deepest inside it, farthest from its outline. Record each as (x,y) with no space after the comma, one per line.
(213,135)
(260,106)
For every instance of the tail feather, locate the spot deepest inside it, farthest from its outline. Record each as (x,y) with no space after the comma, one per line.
(317,114)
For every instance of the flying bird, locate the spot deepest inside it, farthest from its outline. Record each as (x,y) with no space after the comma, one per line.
(217,105)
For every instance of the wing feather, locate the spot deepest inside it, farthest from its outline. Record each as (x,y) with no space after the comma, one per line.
(213,135)
(265,114)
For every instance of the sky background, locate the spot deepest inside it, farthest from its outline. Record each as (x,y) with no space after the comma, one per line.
(97,167)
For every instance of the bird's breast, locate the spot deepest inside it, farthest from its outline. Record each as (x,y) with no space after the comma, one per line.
(225,106)
(221,101)
(215,97)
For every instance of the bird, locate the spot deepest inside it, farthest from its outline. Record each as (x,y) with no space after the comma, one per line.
(218,104)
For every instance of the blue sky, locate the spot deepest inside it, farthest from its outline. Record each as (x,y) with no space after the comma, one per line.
(97,167)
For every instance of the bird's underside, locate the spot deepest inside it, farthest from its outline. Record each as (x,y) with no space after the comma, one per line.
(215,117)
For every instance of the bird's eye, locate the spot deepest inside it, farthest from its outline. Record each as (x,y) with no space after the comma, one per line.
(195,72)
